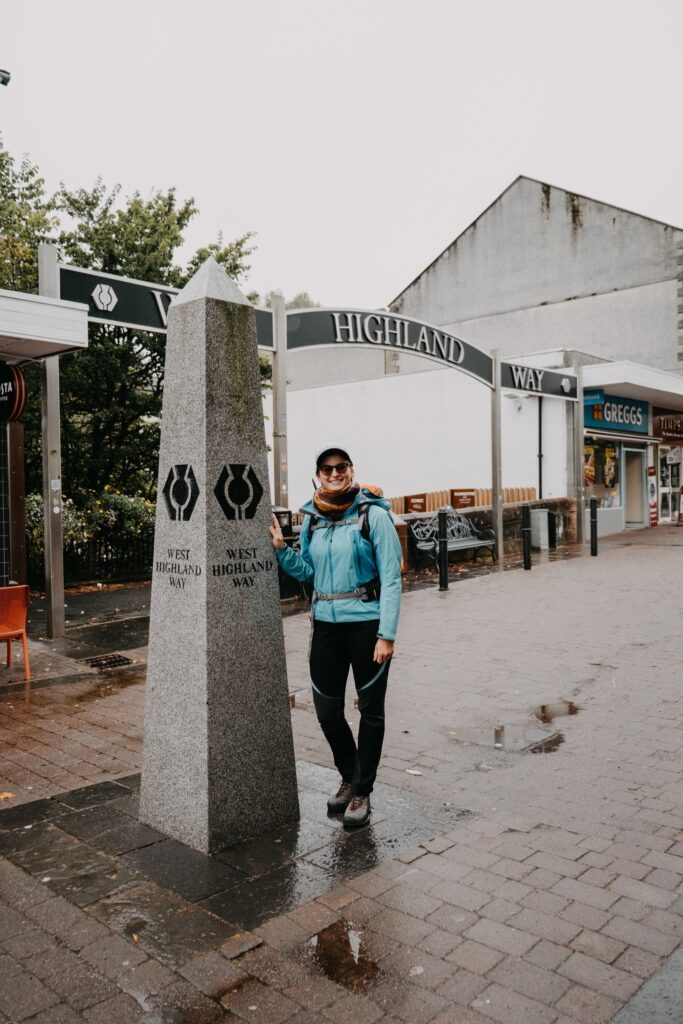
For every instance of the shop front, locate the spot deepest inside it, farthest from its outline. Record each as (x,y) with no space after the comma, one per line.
(618,451)
(667,425)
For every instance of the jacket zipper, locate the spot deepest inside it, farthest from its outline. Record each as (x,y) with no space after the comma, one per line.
(329,555)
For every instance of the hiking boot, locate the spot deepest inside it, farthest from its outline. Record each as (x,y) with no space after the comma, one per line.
(337,803)
(358,812)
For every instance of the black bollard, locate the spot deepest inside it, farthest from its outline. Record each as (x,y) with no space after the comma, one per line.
(594,526)
(443,549)
(526,535)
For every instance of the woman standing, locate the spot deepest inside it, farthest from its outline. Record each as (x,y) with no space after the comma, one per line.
(349,549)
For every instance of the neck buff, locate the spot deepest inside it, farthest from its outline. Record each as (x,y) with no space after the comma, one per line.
(333,504)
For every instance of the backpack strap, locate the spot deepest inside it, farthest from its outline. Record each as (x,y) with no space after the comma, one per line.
(362,519)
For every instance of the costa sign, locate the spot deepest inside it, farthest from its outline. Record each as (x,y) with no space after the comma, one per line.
(12,393)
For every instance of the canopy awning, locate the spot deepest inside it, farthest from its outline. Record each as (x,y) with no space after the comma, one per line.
(632,380)
(33,326)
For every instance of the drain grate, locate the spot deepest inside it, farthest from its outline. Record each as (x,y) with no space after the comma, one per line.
(108,661)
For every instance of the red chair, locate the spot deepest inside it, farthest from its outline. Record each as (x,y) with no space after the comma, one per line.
(13,612)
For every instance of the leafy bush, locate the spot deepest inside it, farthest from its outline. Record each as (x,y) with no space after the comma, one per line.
(110,513)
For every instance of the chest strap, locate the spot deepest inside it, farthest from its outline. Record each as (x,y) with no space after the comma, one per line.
(366,592)
(327,524)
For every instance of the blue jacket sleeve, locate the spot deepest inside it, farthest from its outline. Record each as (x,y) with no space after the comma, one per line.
(297,563)
(388,556)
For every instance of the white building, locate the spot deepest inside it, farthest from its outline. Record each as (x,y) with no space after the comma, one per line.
(544,268)
(542,271)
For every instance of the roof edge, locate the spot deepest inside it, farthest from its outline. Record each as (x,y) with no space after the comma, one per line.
(537,181)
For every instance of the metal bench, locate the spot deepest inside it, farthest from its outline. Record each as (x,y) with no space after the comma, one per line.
(462,535)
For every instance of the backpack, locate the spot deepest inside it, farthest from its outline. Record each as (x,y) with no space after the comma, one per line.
(362,520)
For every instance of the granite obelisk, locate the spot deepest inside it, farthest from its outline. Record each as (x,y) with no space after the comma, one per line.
(218,757)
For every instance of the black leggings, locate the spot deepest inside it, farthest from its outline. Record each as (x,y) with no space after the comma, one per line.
(336,646)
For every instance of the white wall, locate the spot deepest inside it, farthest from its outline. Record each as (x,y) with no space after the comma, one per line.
(538,244)
(421,432)
(639,324)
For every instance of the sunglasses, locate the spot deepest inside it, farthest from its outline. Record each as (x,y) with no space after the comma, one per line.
(341,467)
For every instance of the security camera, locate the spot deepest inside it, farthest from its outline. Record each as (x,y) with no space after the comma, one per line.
(4,77)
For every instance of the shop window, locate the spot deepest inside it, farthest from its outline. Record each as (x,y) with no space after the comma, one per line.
(601,474)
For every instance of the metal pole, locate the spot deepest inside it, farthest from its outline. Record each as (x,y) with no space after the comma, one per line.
(48,284)
(496,472)
(526,534)
(443,548)
(281,483)
(540,447)
(579,487)
(594,526)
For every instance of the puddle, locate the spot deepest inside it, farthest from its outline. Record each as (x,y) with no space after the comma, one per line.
(510,739)
(134,926)
(549,712)
(121,679)
(340,953)
(109,688)
(549,745)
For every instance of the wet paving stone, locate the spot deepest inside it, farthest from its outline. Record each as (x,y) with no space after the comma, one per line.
(191,874)
(128,805)
(180,902)
(129,836)
(91,822)
(29,814)
(83,880)
(256,900)
(348,855)
(34,845)
(131,782)
(259,856)
(88,796)
(166,926)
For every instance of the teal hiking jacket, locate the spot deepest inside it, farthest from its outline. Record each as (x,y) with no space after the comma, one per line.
(338,559)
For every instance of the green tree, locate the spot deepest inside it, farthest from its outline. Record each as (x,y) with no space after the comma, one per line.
(112,392)
(302,300)
(27,217)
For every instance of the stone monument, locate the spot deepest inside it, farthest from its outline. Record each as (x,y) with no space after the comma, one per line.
(218,757)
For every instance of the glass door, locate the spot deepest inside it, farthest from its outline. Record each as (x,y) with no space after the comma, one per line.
(664,487)
(634,477)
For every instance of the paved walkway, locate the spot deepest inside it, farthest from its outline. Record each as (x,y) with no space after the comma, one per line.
(553,902)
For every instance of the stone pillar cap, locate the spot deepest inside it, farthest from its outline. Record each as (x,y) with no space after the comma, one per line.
(211,282)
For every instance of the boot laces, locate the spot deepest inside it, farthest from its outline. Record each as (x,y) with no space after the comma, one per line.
(343,790)
(356,802)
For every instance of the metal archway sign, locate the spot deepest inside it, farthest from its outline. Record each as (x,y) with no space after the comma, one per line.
(143,305)
(316,328)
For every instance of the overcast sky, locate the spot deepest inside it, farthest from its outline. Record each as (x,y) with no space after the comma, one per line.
(356,138)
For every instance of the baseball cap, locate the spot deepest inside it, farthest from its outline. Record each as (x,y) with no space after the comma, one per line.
(328,451)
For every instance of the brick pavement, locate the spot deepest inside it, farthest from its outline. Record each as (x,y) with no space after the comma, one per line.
(554,903)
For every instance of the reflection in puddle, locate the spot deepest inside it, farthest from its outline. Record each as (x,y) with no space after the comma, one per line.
(121,681)
(548,712)
(340,954)
(511,739)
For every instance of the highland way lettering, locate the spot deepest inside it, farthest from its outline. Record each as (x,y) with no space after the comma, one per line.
(392,331)
(243,566)
(177,566)
(526,378)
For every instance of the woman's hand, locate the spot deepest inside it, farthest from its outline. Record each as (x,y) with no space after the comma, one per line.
(383,650)
(276,534)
